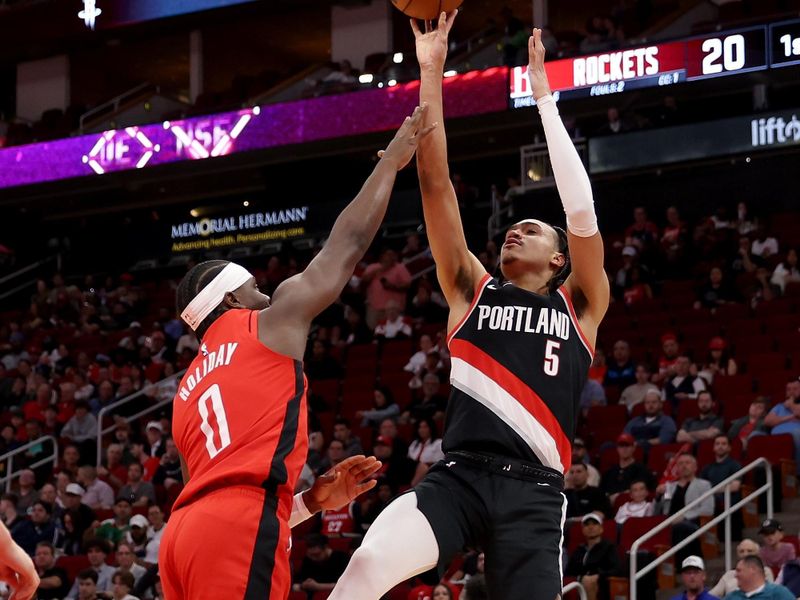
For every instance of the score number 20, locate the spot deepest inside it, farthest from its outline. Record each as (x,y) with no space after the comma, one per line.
(726,54)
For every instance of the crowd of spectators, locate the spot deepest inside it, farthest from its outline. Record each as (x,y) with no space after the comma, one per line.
(377,363)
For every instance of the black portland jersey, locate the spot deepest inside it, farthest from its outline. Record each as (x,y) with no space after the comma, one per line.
(519,364)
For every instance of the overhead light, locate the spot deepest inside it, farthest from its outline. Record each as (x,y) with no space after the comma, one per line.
(194,212)
(391,82)
(380,84)
(256,110)
(246,203)
(397,58)
(451,73)
(366,78)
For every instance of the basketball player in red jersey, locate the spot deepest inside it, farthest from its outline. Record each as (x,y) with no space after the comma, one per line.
(521,347)
(240,411)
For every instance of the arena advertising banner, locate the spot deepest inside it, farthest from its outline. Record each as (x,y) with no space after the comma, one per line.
(738,135)
(226,231)
(257,128)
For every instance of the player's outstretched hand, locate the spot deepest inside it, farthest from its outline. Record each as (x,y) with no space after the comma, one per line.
(345,482)
(402,148)
(16,568)
(432,45)
(536,71)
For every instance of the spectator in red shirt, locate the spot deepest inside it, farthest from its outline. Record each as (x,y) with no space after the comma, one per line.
(745,427)
(666,364)
(34,409)
(643,233)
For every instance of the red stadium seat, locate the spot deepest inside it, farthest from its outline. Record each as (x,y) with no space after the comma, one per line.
(321,595)
(327,389)
(775,448)
(734,407)
(73,564)
(731,385)
(659,456)
(615,415)
(766,362)
(636,527)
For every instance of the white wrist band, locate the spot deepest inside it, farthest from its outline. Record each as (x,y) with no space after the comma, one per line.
(300,511)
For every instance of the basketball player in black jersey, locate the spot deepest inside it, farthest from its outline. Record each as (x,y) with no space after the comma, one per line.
(521,349)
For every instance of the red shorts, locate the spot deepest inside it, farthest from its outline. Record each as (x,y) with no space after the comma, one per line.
(233,544)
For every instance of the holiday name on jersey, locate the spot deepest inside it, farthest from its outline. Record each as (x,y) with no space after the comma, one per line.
(220,357)
(521,318)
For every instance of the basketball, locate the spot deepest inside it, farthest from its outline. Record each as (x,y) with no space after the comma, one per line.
(428,10)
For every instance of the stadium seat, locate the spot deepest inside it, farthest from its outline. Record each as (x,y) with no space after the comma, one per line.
(73,564)
(575,534)
(636,527)
(659,456)
(732,384)
(766,361)
(614,415)
(735,406)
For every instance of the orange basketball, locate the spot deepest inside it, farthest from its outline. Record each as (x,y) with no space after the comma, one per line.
(428,10)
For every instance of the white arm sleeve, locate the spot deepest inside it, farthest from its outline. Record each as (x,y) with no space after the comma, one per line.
(572,180)
(299,511)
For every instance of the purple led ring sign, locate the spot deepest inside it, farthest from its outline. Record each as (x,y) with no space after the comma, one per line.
(272,126)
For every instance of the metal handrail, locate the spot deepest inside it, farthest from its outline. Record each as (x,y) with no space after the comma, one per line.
(122,401)
(114,104)
(575,585)
(29,267)
(9,456)
(723,485)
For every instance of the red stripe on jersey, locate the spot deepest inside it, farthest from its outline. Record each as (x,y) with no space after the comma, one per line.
(565,293)
(478,291)
(529,399)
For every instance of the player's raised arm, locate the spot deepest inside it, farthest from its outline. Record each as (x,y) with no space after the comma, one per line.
(588,277)
(457,269)
(299,299)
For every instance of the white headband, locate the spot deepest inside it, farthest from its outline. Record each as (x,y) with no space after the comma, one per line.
(231,278)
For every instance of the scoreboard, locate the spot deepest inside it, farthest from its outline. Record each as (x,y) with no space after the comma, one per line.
(713,55)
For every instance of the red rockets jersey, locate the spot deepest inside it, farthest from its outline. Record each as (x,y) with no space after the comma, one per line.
(240,416)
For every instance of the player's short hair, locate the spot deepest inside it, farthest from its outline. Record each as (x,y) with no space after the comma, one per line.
(88,574)
(754,561)
(13,498)
(124,577)
(96,544)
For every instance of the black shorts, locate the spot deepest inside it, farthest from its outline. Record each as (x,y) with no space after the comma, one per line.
(513,511)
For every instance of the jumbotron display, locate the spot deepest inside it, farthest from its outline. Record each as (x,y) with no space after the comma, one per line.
(712,55)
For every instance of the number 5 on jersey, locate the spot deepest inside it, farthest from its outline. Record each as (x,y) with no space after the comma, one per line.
(214,394)
(551,361)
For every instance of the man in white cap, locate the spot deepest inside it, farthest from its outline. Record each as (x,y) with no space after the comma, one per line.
(155,438)
(594,561)
(82,515)
(138,535)
(693,575)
